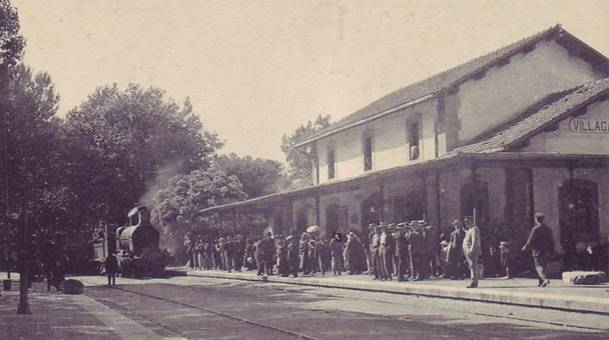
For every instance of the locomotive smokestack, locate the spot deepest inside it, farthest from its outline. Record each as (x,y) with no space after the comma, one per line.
(139,216)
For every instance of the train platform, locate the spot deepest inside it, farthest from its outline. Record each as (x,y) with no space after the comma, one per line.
(60,316)
(518,291)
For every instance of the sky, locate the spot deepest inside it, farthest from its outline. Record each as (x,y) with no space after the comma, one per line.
(255,70)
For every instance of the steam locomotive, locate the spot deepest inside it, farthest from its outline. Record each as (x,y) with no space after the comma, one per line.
(136,246)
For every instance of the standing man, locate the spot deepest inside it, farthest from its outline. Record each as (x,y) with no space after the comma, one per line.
(282,258)
(228,248)
(258,256)
(336,252)
(455,258)
(293,256)
(375,242)
(416,249)
(472,249)
(401,251)
(303,250)
(267,254)
(111,265)
(385,252)
(432,242)
(541,244)
(238,252)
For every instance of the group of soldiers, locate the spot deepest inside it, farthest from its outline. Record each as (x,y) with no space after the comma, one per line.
(224,253)
(406,250)
(411,250)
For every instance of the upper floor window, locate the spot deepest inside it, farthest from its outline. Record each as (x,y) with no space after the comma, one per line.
(331,164)
(367,146)
(413,140)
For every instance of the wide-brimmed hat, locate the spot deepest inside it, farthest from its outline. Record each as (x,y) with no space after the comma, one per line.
(539,214)
(444,243)
(504,244)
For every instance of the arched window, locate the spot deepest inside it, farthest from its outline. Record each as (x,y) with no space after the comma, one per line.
(371,209)
(409,207)
(302,220)
(578,209)
(474,202)
(277,222)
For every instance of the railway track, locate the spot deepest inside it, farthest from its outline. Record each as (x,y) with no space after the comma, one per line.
(154,292)
(283,331)
(240,319)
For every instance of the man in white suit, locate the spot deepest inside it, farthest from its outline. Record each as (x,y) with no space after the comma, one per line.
(472,250)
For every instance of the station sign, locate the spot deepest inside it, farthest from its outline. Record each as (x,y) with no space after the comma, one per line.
(580,125)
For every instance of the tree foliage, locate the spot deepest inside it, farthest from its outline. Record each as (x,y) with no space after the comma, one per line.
(11,40)
(120,144)
(258,176)
(29,158)
(177,208)
(299,166)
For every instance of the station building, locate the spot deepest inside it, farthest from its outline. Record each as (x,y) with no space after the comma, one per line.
(522,129)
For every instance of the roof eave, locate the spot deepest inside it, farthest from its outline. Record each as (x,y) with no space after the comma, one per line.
(378,115)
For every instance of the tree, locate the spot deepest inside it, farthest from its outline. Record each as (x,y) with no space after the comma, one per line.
(177,208)
(11,49)
(29,130)
(258,176)
(299,166)
(28,134)
(122,146)
(11,40)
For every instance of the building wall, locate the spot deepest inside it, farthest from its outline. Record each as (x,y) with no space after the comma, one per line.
(509,89)
(390,143)
(479,104)
(546,185)
(601,177)
(450,192)
(351,200)
(306,206)
(587,133)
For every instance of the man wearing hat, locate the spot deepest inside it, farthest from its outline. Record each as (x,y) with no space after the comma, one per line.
(336,253)
(368,248)
(472,249)
(293,255)
(266,255)
(395,259)
(504,255)
(416,248)
(375,242)
(431,248)
(303,250)
(455,258)
(385,252)
(443,263)
(541,244)
(401,251)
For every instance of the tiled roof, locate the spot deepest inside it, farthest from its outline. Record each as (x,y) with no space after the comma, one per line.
(553,109)
(435,83)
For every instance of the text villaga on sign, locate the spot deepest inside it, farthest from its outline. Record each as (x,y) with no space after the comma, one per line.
(589,125)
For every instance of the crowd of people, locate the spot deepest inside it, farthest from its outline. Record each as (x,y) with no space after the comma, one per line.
(405,251)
